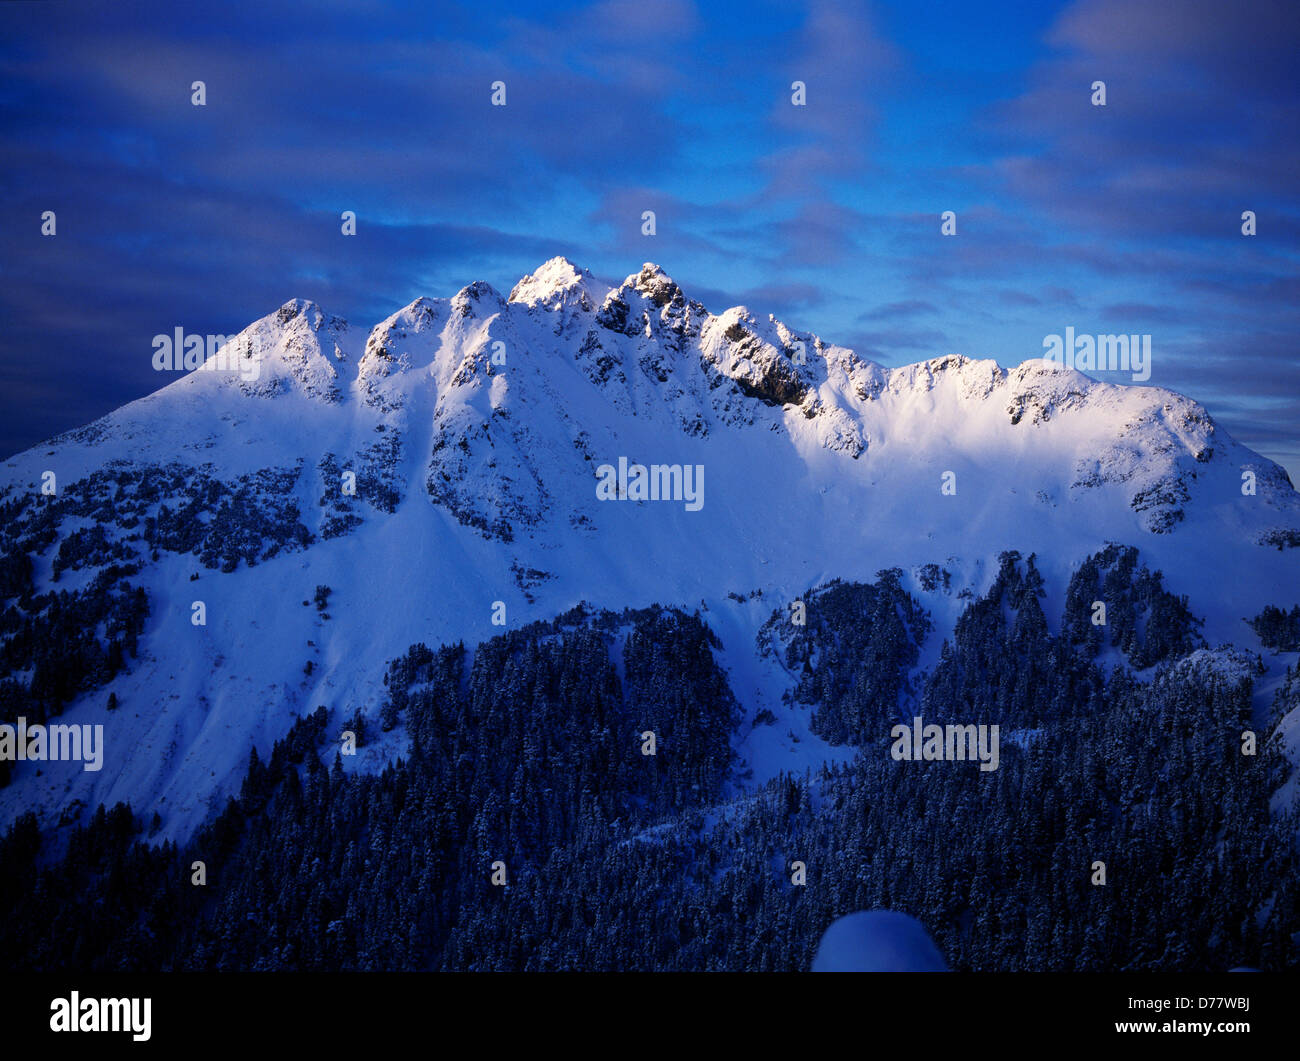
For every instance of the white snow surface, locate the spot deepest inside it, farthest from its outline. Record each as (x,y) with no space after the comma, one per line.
(877,941)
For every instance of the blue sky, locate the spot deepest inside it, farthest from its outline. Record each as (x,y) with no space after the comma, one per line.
(1123,218)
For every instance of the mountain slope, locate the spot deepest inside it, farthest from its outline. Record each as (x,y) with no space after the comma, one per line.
(450,460)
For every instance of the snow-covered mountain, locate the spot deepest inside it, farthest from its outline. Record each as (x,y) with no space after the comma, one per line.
(450,461)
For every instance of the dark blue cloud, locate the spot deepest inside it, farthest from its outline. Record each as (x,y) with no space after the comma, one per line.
(1122,218)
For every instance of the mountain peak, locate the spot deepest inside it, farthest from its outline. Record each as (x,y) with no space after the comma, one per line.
(655,284)
(477,291)
(552,279)
(300,307)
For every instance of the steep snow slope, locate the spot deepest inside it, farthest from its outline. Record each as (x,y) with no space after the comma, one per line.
(475,428)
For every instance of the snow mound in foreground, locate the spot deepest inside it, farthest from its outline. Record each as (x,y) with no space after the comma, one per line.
(877,941)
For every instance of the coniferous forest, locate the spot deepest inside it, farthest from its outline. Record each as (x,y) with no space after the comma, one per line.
(527,828)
